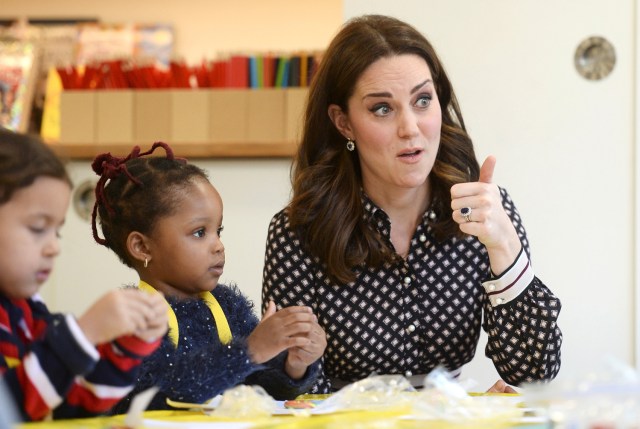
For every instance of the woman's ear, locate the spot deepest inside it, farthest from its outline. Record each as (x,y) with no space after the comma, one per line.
(138,248)
(341,121)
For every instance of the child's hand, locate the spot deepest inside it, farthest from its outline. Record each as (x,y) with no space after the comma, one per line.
(279,331)
(299,358)
(158,324)
(123,312)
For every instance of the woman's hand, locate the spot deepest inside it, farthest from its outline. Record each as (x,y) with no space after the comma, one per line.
(299,358)
(488,220)
(501,387)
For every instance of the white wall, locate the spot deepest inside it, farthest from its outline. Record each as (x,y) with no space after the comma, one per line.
(205,28)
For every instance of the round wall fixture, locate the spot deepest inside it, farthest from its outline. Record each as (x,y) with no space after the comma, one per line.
(595,58)
(84,199)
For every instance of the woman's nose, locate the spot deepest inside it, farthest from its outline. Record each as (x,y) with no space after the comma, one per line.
(407,124)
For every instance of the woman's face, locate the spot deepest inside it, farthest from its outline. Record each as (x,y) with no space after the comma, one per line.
(394,117)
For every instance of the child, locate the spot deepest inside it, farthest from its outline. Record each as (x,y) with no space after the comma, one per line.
(163,218)
(54,364)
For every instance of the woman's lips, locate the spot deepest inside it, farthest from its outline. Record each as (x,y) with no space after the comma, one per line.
(411,155)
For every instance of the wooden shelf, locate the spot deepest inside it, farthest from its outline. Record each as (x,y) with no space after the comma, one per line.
(79,151)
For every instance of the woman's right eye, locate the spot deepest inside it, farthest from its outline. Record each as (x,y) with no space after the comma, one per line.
(382,109)
(199,233)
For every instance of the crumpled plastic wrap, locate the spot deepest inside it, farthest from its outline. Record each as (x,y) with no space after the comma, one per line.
(246,402)
(606,397)
(376,391)
(443,398)
(443,402)
(387,401)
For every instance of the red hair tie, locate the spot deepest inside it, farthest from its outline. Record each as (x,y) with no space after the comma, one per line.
(109,167)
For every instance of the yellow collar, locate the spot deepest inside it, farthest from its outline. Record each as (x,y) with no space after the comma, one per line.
(224,332)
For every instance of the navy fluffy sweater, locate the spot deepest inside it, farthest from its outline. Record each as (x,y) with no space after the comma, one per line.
(201,367)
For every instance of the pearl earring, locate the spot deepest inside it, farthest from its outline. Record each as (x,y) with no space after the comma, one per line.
(146,262)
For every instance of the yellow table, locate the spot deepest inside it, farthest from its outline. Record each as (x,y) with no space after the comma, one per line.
(195,420)
(388,418)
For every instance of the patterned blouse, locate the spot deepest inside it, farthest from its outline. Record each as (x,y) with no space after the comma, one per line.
(410,316)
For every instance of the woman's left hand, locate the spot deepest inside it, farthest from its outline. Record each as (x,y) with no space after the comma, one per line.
(487,219)
(299,358)
(501,387)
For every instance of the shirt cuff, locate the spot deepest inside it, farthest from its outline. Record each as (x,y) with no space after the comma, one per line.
(65,338)
(81,338)
(511,283)
(137,346)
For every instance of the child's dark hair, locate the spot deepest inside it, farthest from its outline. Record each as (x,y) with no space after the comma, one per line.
(133,193)
(24,158)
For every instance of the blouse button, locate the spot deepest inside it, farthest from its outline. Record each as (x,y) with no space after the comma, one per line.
(423,238)
(499,300)
(411,328)
(408,374)
(407,280)
(492,287)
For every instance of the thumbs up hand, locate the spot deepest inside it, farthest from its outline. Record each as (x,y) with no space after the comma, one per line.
(477,208)
(486,171)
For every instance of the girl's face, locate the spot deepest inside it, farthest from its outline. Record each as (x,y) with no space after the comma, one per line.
(394,117)
(187,256)
(30,223)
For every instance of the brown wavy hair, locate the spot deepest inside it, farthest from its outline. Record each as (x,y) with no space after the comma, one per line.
(23,159)
(326,209)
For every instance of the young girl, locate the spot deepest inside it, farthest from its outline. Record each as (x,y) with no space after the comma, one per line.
(163,218)
(55,364)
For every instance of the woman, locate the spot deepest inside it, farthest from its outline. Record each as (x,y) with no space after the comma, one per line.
(394,235)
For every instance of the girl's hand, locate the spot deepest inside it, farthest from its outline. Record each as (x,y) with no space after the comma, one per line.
(279,331)
(488,220)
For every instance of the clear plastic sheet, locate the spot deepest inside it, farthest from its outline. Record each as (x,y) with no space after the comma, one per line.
(380,401)
(606,397)
(245,402)
(443,398)
(376,391)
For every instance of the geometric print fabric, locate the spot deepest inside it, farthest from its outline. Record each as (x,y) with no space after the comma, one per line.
(410,316)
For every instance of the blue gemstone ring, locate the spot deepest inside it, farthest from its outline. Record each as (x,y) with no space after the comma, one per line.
(466,213)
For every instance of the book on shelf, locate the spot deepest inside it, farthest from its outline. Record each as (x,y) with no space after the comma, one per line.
(238,72)
(282,72)
(269,64)
(294,71)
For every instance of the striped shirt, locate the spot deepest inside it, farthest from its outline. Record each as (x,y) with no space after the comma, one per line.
(52,370)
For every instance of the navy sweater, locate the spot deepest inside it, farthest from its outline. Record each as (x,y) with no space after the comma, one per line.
(201,367)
